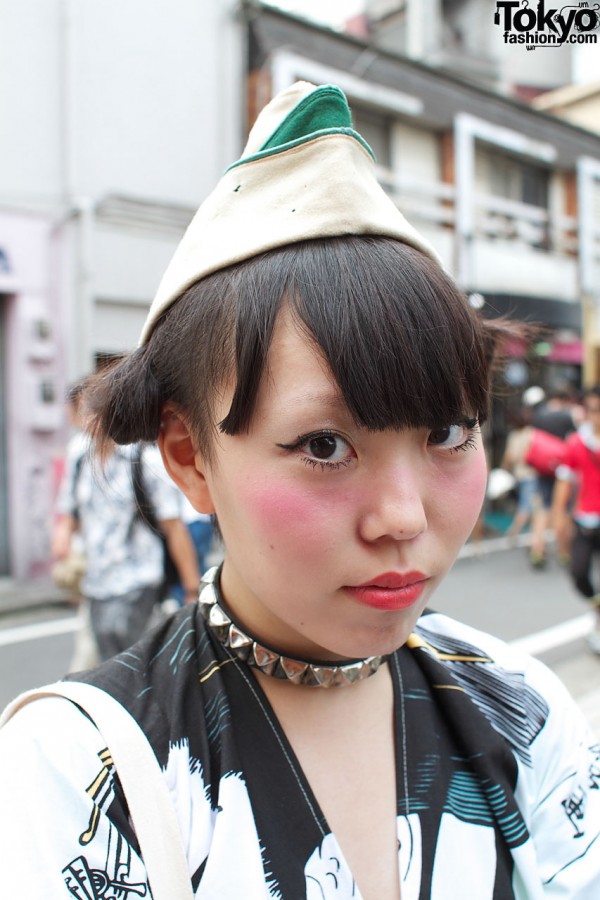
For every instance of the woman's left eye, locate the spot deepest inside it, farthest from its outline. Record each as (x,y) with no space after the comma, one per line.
(460,436)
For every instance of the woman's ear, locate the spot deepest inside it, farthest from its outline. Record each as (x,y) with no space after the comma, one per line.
(182,461)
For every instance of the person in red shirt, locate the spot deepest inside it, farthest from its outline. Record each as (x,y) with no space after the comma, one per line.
(579,476)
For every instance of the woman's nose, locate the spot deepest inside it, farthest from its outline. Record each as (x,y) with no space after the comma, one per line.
(395,509)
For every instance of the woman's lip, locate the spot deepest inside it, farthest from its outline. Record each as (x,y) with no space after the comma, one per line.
(391,591)
(392,580)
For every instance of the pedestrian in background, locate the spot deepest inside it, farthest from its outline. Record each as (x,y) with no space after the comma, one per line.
(316,380)
(123,581)
(201,531)
(578,481)
(555,413)
(67,547)
(513,460)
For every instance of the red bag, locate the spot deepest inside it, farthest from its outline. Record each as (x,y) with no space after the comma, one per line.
(545,452)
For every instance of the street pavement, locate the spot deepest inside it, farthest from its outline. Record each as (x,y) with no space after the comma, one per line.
(492,587)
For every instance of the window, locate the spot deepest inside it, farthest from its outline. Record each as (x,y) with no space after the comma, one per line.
(515,179)
(375,127)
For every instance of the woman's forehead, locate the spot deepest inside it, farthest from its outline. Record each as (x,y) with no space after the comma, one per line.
(293,344)
(297,371)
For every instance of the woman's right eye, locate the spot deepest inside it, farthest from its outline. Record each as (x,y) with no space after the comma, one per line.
(326,448)
(329,447)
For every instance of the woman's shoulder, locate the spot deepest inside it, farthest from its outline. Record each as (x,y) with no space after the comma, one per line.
(156,678)
(502,680)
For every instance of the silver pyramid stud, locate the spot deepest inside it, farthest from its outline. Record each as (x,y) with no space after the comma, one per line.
(352,673)
(239,642)
(209,576)
(219,622)
(264,659)
(323,675)
(217,617)
(208,595)
(237,638)
(293,669)
(340,679)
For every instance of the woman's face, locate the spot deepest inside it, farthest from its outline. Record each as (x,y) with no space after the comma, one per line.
(335,536)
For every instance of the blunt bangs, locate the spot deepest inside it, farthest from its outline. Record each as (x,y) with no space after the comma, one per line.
(402,343)
(400,339)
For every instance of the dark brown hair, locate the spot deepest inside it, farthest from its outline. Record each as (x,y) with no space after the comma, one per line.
(401,340)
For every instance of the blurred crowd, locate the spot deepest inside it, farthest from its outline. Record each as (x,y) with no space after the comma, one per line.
(551,466)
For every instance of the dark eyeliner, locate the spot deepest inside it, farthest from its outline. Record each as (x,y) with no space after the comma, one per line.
(303,438)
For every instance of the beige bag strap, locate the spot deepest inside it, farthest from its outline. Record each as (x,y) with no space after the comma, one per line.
(150,807)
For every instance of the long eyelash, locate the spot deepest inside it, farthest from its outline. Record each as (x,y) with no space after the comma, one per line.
(466,445)
(325,464)
(473,425)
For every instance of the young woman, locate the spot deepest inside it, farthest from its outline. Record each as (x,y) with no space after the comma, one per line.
(316,381)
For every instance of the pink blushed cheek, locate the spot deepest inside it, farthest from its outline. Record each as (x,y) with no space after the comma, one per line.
(285,515)
(472,491)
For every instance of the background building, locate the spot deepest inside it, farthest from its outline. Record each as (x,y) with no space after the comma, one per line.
(467,37)
(119,117)
(578,103)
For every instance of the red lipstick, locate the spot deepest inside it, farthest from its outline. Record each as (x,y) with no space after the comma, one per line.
(390,591)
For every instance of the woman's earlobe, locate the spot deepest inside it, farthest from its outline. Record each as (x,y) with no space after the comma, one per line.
(183,462)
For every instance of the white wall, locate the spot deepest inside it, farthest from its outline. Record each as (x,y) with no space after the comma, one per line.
(30,100)
(156,90)
(121,95)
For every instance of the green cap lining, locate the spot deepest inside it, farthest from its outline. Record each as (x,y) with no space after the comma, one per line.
(323,111)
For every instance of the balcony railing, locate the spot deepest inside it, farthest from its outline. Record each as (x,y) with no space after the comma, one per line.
(500,219)
(431,201)
(495,218)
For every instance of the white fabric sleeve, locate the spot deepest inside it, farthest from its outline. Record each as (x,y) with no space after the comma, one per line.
(565,473)
(558,789)
(56,783)
(560,794)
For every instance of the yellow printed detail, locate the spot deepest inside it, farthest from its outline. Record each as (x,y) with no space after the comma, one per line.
(415,642)
(95,791)
(96,786)
(90,831)
(211,669)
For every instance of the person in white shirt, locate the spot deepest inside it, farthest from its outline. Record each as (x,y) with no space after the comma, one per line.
(125,564)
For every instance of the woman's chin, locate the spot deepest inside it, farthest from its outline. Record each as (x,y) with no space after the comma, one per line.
(381,645)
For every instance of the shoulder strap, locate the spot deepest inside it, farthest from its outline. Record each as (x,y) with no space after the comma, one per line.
(150,807)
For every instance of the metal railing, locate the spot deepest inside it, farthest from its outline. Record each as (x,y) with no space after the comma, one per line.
(495,218)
